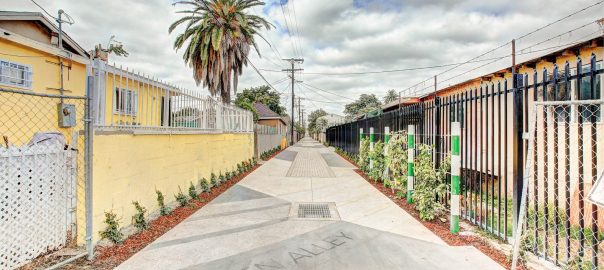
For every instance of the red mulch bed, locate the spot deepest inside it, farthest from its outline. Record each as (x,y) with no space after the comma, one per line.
(110,257)
(441,228)
(273,155)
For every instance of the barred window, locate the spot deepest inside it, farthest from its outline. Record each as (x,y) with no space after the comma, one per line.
(125,101)
(15,74)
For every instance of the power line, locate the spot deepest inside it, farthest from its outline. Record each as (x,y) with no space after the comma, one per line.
(320,89)
(297,28)
(330,100)
(557,36)
(49,15)
(384,71)
(261,76)
(505,44)
(559,20)
(271,44)
(289,31)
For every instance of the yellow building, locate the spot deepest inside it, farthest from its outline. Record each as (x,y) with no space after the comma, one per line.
(147,135)
(31,61)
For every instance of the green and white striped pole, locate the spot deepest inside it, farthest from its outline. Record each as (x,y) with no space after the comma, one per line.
(360,138)
(410,162)
(455,176)
(371,143)
(386,161)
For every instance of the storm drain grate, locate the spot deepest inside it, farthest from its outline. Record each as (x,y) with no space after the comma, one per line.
(314,210)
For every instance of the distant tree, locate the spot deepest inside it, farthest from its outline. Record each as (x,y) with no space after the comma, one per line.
(300,129)
(262,94)
(364,104)
(391,96)
(321,124)
(312,120)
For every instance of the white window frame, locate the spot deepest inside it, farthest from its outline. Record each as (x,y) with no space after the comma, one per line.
(128,103)
(6,67)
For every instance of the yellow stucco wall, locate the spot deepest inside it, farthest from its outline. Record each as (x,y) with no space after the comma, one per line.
(131,167)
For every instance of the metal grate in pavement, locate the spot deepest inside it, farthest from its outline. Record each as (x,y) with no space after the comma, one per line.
(313,210)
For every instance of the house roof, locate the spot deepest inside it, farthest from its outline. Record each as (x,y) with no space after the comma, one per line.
(46,23)
(264,112)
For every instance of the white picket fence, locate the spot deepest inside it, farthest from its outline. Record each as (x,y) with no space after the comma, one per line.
(37,187)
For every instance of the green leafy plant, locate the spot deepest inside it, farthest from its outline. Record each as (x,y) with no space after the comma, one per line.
(112,230)
(204,185)
(397,157)
(192,191)
(180,197)
(428,185)
(138,219)
(163,210)
(221,178)
(387,183)
(213,180)
(364,155)
(376,172)
(227,175)
(401,194)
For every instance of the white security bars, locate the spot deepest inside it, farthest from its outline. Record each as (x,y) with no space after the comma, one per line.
(125,100)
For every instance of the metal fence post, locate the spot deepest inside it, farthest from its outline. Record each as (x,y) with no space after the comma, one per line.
(455,176)
(88,145)
(517,150)
(386,140)
(437,142)
(410,162)
(371,144)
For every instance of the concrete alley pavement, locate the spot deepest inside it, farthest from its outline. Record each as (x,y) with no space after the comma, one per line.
(304,209)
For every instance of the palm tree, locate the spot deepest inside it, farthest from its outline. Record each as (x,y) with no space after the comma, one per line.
(219,34)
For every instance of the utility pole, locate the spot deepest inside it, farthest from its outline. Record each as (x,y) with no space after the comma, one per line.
(293,61)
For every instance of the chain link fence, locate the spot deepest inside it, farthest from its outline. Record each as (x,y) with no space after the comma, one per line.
(42,175)
(560,225)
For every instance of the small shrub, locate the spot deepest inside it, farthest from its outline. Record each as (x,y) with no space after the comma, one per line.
(377,156)
(192,191)
(401,194)
(163,210)
(213,180)
(429,185)
(364,155)
(138,219)
(397,157)
(239,169)
(227,175)
(222,178)
(387,183)
(112,230)
(181,198)
(203,184)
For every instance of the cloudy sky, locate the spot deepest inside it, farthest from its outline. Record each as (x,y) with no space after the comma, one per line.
(342,36)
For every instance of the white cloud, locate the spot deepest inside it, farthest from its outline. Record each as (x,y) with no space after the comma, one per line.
(335,36)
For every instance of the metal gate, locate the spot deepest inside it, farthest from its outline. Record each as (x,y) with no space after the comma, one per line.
(42,174)
(560,225)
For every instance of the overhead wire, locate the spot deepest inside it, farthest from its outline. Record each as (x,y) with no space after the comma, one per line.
(505,44)
(320,89)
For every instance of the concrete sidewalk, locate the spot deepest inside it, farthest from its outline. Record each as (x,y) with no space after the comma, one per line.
(304,209)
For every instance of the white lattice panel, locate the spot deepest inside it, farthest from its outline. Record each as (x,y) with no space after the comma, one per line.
(34,202)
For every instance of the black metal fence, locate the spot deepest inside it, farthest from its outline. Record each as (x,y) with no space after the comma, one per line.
(494,118)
